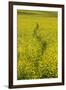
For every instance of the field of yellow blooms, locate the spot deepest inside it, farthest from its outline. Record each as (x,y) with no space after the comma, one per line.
(37,44)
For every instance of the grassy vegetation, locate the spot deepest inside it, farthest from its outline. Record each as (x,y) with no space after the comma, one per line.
(37,45)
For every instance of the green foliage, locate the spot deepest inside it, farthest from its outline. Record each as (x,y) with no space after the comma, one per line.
(37,46)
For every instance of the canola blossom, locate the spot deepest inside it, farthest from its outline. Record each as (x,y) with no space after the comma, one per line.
(37,44)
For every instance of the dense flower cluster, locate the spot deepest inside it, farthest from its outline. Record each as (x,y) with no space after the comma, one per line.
(37,47)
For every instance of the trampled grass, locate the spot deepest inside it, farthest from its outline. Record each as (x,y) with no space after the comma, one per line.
(37,45)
